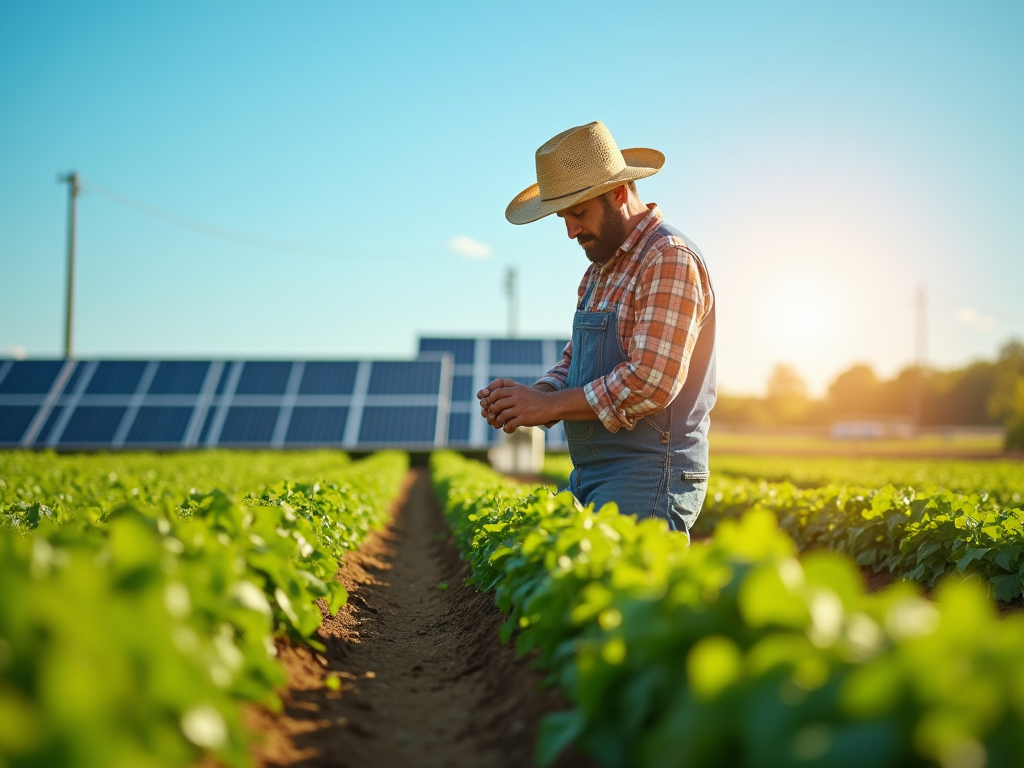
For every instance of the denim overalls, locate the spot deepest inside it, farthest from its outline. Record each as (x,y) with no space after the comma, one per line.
(660,467)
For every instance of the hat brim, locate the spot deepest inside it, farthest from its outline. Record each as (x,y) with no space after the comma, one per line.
(527,206)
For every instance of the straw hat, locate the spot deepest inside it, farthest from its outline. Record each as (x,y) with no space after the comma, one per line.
(577,165)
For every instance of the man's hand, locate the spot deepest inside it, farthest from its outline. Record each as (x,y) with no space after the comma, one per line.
(508,405)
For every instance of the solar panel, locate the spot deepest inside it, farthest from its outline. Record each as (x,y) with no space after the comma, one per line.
(30,377)
(72,381)
(517,351)
(263,378)
(116,377)
(421,377)
(249,424)
(462,349)
(522,360)
(179,377)
(223,381)
(114,404)
(320,425)
(327,378)
(47,428)
(402,424)
(154,424)
(92,424)
(463,389)
(458,428)
(14,420)
(204,433)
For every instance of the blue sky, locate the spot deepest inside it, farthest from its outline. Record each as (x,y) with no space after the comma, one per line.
(827,159)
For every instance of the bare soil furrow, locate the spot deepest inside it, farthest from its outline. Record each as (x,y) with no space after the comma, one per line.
(425,680)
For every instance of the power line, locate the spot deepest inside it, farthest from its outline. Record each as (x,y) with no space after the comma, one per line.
(212,230)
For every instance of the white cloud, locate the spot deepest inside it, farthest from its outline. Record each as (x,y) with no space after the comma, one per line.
(975,319)
(467,246)
(16,352)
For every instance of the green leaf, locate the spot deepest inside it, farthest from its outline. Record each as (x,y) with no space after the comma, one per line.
(1002,559)
(557,731)
(1006,587)
(973,553)
(926,549)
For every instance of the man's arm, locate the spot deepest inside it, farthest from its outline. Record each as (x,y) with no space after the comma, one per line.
(671,301)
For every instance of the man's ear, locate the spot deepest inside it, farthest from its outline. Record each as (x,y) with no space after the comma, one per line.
(620,194)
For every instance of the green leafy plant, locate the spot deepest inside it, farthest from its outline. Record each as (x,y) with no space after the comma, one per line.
(135,616)
(732,651)
(894,529)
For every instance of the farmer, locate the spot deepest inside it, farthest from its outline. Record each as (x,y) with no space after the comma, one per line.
(636,383)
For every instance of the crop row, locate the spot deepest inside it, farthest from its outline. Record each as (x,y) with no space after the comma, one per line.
(138,610)
(899,530)
(889,529)
(1000,481)
(732,651)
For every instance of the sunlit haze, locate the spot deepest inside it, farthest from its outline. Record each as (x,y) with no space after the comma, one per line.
(828,159)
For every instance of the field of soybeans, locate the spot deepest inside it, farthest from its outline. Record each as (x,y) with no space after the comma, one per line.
(267,608)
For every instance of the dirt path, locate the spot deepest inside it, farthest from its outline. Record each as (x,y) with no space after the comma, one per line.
(425,680)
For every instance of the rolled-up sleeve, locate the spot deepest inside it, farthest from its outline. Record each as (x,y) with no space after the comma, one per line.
(671,299)
(558,375)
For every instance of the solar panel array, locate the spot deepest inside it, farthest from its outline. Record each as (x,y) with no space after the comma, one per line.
(418,404)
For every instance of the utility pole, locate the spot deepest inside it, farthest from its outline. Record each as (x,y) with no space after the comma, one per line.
(920,352)
(510,292)
(74,187)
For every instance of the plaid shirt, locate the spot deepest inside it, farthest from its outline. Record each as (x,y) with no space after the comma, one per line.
(661,301)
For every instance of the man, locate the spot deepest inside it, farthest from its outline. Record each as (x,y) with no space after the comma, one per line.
(637,381)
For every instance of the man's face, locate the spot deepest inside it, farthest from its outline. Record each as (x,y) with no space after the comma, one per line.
(597,226)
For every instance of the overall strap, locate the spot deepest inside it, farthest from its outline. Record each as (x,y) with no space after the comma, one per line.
(586,296)
(665,229)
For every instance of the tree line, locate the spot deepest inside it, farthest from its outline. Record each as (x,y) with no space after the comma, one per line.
(986,392)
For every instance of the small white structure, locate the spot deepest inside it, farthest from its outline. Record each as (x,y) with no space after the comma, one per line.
(872,428)
(520,453)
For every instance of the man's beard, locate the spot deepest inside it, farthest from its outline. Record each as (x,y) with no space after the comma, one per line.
(611,234)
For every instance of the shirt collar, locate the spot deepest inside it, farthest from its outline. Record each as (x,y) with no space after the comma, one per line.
(649,222)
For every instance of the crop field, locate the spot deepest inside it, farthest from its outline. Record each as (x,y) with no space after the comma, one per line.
(141,595)
(951,444)
(758,645)
(900,518)
(188,609)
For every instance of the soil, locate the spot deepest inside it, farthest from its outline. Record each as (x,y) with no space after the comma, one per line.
(424,679)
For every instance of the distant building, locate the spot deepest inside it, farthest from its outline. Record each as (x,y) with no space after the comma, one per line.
(872,427)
